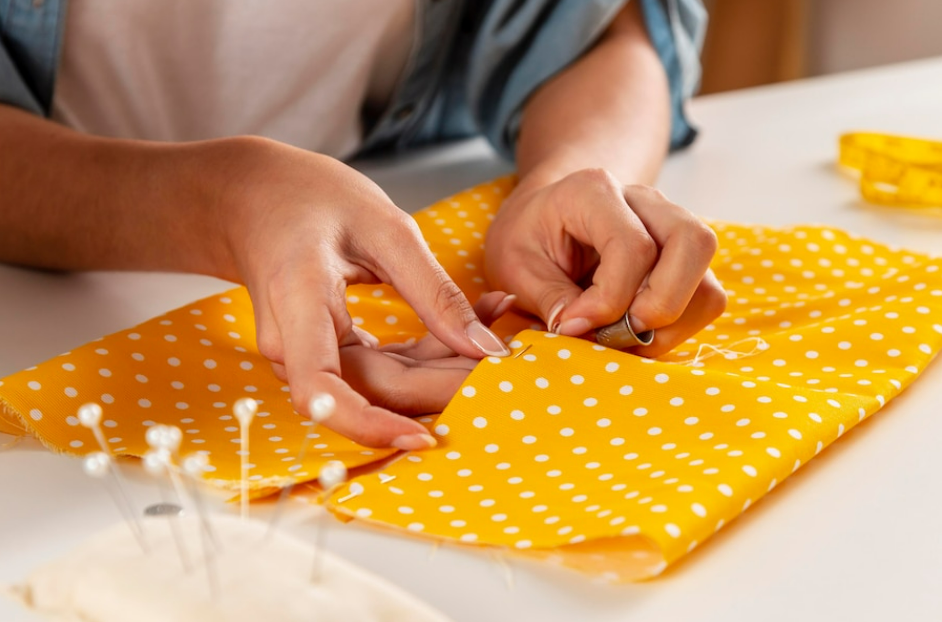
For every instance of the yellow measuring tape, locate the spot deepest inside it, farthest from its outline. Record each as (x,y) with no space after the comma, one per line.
(895,170)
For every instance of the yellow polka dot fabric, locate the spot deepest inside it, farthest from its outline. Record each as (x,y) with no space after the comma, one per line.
(565,451)
(185,368)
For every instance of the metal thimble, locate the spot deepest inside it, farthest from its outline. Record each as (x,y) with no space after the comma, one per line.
(620,335)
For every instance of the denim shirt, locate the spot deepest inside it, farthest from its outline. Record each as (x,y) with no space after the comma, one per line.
(471,70)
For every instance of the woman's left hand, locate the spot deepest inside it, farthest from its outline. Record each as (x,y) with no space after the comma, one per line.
(581,252)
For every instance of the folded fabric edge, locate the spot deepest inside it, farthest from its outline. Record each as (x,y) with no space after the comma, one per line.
(579,557)
(15,419)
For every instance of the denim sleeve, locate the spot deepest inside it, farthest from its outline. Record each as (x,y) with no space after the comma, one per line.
(511,47)
(13,89)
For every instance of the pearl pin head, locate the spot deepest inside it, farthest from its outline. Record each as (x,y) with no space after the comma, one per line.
(96,464)
(244,410)
(333,473)
(321,407)
(89,415)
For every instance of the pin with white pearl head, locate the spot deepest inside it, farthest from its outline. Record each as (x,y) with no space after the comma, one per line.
(193,466)
(244,410)
(99,465)
(332,474)
(89,416)
(319,408)
(158,462)
(165,440)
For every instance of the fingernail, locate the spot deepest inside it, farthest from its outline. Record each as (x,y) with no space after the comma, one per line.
(505,305)
(637,325)
(486,341)
(573,327)
(410,442)
(551,324)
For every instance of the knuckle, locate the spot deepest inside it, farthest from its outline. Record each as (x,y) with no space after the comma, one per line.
(646,251)
(714,299)
(661,312)
(702,240)
(596,177)
(447,296)
(644,192)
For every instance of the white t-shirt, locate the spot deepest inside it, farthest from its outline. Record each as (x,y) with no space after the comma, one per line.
(298,71)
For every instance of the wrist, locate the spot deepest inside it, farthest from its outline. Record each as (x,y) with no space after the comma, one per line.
(215,181)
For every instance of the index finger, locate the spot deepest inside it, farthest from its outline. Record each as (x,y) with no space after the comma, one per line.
(687,247)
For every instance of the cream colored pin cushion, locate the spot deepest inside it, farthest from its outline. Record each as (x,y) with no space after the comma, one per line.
(260,577)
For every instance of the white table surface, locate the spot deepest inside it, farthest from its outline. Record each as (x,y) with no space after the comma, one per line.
(852,536)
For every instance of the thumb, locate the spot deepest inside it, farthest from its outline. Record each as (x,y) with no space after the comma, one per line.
(545,289)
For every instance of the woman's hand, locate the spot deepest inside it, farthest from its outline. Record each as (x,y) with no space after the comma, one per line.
(582,251)
(300,227)
(414,378)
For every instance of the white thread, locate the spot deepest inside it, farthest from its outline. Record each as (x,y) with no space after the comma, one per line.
(759,345)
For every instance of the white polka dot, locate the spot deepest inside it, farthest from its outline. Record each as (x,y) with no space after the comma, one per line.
(611,367)
(603,422)
(479,422)
(661,378)
(564,354)
(725,490)
(529,439)
(626,390)
(469,391)
(35,414)
(698,509)
(517,415)
(672,529)
(654,431)
(542,383)
(35,386)
(506,387)
(772,451)
(577,379)
(442,429)
(491,448)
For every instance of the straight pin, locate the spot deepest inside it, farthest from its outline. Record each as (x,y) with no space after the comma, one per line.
(194,466)
(320,408)
(89,415)
(157,463)
(244,410)
(333,474)
(97,464)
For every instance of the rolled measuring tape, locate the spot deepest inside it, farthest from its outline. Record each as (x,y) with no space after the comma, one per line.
(895,170)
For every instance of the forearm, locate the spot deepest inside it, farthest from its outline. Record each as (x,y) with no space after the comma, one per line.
(610,109)
(76,202)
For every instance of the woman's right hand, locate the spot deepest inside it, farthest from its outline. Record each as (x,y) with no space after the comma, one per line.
(298,229)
